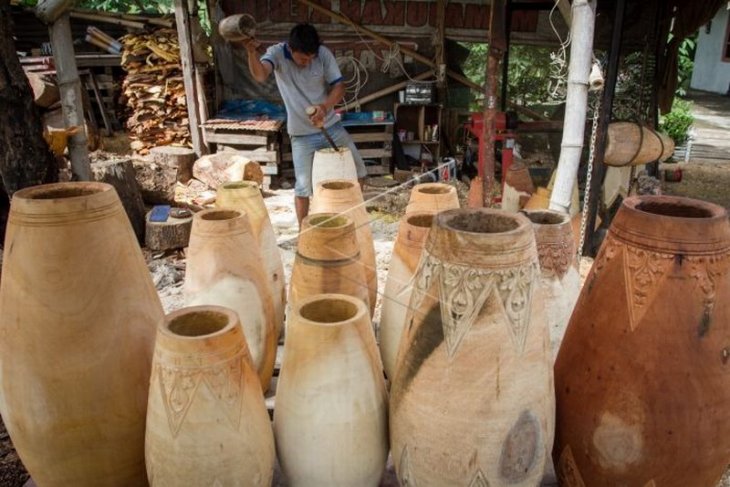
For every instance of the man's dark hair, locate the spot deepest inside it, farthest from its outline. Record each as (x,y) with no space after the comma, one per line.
(304,38)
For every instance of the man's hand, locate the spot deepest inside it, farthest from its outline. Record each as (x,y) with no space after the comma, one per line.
(250,45)
(317,114)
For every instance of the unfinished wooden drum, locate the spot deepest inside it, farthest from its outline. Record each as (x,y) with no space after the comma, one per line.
(631,144)
(333,164)
(207,423)
(225,268)
(643,374)
(331,418)
(412,233)
(344,197)
(472,400)
(558,269)
(246,196)
(518,187)
(328,259)
(432,198)
(79,313)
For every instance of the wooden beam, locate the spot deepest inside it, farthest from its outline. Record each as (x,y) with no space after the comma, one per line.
(71,97)
(391,89)
(107,20)
(50,10)
(243,139)
(182,19)
(384,40)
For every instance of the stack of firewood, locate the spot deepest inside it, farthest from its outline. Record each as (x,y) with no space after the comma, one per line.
(154,90)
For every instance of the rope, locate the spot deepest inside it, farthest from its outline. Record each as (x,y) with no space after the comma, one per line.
(558,61)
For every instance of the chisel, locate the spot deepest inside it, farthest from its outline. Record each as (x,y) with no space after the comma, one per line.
(311,111)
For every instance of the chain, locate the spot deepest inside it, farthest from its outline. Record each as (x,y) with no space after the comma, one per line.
(587,193)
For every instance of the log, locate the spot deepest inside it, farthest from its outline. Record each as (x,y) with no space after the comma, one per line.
(45,93)
(121,175)
(171,234)
(224,167)
(631,144)
(179,158)
(237,27)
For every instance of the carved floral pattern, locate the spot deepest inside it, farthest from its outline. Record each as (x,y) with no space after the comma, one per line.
(644,271)
(515,287)
(555,257)
(463,291)
(706,270)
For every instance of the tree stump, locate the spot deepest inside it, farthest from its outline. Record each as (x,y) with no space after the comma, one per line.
(224,167)
(179,158)
(171,234)
(121,175)
(156,182)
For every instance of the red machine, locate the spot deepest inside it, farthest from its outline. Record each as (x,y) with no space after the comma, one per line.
(505,135)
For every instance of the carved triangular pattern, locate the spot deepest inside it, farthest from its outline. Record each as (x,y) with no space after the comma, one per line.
(707,270)
(479,480)
(515,287)
(426,273)
(226,384)
(404,470)
(462,293)
(568,473)
(178,388)
(644,272)
(650,483)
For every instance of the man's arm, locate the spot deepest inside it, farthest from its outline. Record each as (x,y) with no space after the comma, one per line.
(336,94)
(259,70)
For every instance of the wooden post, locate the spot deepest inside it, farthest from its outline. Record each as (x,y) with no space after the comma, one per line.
(48,11)
(599,168)
(182,19)
(71,98)
(576,104)
(440,49)
(505,58)
(497,44)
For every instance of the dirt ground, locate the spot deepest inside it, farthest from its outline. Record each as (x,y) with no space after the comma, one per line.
(709,181)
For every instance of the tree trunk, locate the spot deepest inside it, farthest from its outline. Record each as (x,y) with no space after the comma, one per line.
(25,159)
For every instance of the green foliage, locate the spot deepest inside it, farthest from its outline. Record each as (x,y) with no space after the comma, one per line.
(677,123)
(685,64)
(529,72)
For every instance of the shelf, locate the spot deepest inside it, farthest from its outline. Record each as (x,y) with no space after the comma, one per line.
(425,142)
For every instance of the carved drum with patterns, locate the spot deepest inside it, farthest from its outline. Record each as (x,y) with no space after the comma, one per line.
(472,400)
(643,373)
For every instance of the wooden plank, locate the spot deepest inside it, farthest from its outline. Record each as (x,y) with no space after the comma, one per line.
(236,139)
(375,153)
(186,59)
(372,137)
(261,156)
(270,169)
(107,20)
